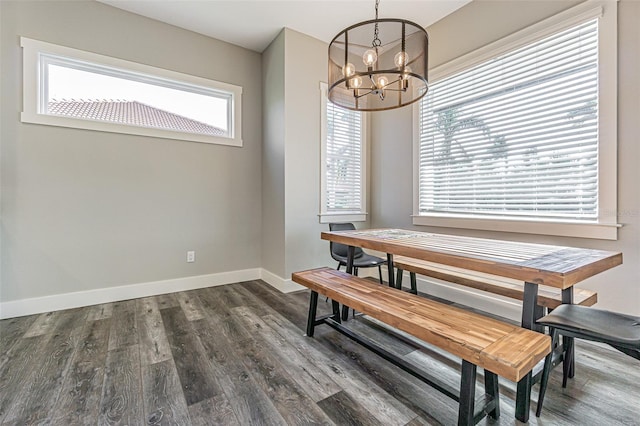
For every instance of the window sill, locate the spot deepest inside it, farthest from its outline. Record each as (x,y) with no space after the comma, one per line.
(601,231)
(342,217)
(104,126)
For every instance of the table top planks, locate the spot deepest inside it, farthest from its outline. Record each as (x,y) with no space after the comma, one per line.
(549,265)
(505,349)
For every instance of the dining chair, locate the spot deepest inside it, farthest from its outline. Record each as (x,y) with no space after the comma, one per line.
(360,259)
(617,330)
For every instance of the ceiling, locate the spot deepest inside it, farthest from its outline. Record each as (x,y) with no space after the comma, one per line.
(253,24)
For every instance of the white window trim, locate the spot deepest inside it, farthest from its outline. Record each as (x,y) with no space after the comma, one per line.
(32,100)
(606,226)
(330,217)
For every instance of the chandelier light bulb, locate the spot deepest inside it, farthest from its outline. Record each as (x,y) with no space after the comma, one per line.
(382,82)
(348,70)
(370,57)
(406,72)
(356,82)
(401,59)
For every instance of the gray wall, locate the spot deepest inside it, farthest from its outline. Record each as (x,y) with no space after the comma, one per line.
(84,210)
(471,27)
(305,68)
(273,151)
(293,67)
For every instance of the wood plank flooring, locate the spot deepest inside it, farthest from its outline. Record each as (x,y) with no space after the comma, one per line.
(236,355)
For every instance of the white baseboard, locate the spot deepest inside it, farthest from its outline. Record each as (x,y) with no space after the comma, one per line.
(279,283)
(500,306)
(288,286)
(497,305)
(56,302)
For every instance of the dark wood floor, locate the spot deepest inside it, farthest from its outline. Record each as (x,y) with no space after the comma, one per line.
(236,355)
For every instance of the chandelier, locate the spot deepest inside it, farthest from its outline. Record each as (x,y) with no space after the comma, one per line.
(379,64)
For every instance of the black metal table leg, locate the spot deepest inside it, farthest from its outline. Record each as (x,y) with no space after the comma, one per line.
(311,319)
(538,313)
(567,342)
(351,251)
(467,394)
(529,303)
(523,395)
(390,268)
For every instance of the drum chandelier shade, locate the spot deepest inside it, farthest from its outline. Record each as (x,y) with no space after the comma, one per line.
(379,64)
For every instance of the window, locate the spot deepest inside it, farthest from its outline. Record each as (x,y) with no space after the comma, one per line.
(71,88)
(342,163)
(517,137)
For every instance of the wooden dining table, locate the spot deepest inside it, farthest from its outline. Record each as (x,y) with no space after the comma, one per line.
(534,264)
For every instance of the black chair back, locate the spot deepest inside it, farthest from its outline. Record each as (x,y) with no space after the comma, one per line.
(338,249)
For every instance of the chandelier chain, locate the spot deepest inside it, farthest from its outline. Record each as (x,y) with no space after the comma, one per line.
(376,40)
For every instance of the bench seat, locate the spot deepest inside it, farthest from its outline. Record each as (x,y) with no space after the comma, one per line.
(507,350)
(499,348)
(548,297)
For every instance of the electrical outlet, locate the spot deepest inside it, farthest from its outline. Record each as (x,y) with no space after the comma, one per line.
(191,256)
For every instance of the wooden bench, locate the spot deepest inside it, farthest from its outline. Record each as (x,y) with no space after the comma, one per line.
(499,348)
(548,297)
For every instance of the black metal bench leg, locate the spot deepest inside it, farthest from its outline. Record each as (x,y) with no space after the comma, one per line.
(467,394)
(523,393)
(336,311)
(345,312)
(491,389)
(380,275)
(399,278)
(311,319)
(414,284)
(547,369)
(523,398)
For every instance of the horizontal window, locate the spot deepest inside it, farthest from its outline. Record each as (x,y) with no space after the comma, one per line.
(72,88)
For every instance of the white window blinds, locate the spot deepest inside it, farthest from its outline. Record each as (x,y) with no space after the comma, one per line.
(516,135)
(343,161)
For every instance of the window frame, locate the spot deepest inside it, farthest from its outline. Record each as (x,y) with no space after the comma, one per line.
(36,53)
(605,226)
(326,216)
